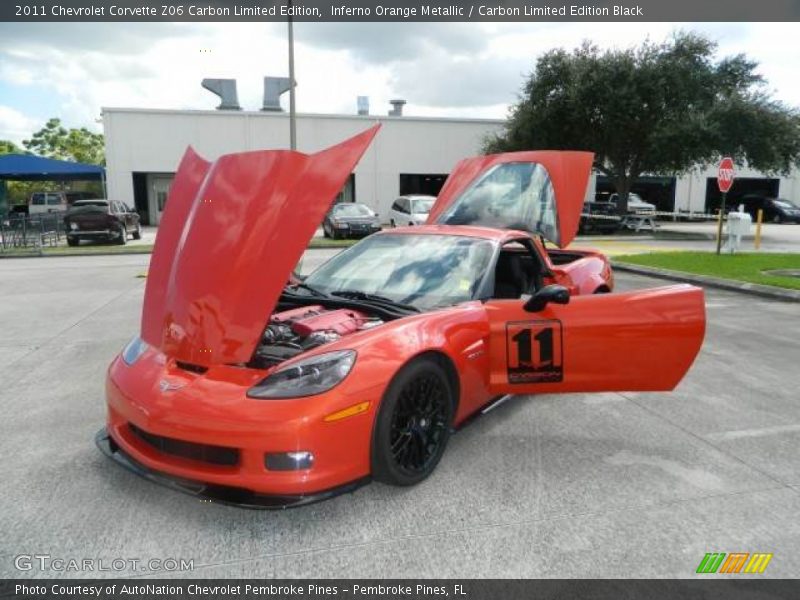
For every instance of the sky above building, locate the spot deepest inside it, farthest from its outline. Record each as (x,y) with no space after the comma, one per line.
(72,70)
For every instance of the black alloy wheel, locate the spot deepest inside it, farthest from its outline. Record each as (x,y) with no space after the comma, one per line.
(413,426)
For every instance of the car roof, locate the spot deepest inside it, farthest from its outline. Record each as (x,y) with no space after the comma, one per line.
(93,200)
(418,196)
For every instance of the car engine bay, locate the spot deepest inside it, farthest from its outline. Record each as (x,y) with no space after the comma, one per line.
(297,330)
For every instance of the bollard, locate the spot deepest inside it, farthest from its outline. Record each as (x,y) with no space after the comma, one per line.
(759,217)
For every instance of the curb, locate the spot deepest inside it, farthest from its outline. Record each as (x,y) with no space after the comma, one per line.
(753,289)
(71,254)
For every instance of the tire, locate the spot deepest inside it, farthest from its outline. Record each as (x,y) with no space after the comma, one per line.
(325,232)
(777,219)
(392,223)
(413,425)
(123,235)
(73,241)
(137,234)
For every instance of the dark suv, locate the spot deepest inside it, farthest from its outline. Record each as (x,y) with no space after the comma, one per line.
(97,219)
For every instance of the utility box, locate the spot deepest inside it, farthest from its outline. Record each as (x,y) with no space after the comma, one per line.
(739,224)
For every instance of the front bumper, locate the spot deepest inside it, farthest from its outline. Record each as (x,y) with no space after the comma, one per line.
(220,494)
(205,429)
(77,233)
(356,231)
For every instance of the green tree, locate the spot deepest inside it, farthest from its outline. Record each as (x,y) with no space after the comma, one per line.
(659,108)
(56,141)
(9,147)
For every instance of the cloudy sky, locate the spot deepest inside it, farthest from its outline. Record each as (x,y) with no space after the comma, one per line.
(457,69)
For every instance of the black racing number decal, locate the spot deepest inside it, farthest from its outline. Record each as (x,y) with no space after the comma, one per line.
(534,351)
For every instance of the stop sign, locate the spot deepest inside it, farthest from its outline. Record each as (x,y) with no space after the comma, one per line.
(725,174)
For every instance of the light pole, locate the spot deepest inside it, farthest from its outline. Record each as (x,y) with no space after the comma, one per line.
(292,114)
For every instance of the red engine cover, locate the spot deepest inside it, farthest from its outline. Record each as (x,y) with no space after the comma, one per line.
(342,321)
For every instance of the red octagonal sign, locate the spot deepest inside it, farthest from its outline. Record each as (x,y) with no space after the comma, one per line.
(725,174)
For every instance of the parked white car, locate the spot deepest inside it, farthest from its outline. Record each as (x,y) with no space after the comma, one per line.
(410,210)
(636,205)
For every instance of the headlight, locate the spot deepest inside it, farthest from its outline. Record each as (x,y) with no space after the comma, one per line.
(307,377)
(134,349)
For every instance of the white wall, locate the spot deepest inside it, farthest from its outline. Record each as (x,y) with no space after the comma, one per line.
(153,141)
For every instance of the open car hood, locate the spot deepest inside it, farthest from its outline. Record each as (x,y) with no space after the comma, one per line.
(538,191)
(228,241)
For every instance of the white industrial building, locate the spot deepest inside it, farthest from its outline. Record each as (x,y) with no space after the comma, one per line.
(409,155)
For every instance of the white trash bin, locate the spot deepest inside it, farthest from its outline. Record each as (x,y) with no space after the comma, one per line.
(739,224)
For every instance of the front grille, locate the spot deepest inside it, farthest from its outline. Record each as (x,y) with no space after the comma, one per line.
(215,455)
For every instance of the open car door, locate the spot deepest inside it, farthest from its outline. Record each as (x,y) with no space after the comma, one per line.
(539,191)
(644,340)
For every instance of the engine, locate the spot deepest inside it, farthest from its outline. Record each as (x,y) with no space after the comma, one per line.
(292,332)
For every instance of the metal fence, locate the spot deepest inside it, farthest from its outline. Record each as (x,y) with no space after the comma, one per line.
(31,232)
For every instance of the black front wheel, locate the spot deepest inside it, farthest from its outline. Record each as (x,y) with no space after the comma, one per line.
(413,425)
(137,233)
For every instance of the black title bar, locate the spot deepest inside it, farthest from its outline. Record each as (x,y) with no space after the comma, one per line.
(399,10)
(727,588)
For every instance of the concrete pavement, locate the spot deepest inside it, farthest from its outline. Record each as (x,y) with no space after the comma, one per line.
(600,485)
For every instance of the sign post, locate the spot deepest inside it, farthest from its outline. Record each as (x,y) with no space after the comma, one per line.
(725,177)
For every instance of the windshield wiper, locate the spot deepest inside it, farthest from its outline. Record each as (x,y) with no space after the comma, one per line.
(309,288)
(357,295)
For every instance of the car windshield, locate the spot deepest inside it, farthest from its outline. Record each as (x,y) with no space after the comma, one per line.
(421,206)
(351,210)
(425,271)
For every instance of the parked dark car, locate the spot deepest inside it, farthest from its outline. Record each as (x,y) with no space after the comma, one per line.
(776,210)
(98,219)
(350,219)
(600,217)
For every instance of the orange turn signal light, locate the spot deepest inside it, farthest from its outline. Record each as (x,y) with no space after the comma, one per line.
(350,411)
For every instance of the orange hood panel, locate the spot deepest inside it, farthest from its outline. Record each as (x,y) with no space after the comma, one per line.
(228,241)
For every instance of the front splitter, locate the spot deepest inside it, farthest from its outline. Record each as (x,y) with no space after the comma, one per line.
(219,494)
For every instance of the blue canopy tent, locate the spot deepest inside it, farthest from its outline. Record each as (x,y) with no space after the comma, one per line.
(26,167)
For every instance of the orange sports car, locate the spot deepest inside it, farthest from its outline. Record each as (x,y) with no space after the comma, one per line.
(252,386)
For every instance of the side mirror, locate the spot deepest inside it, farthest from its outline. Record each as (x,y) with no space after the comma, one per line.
(557,294)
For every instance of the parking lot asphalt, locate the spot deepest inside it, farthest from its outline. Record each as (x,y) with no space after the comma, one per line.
(602,485)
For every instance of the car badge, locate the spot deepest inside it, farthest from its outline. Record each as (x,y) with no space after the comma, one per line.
(166,386)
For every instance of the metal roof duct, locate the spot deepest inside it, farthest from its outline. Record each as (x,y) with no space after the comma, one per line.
(226,90)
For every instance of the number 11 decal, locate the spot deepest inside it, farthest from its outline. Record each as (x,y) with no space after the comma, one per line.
(533,351)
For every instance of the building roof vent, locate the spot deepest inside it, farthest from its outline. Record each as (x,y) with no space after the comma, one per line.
(226,90)
(274,87)
(363,105)
(397,108)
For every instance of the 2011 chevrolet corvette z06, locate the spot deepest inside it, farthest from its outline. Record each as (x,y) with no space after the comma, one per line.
(244,388)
